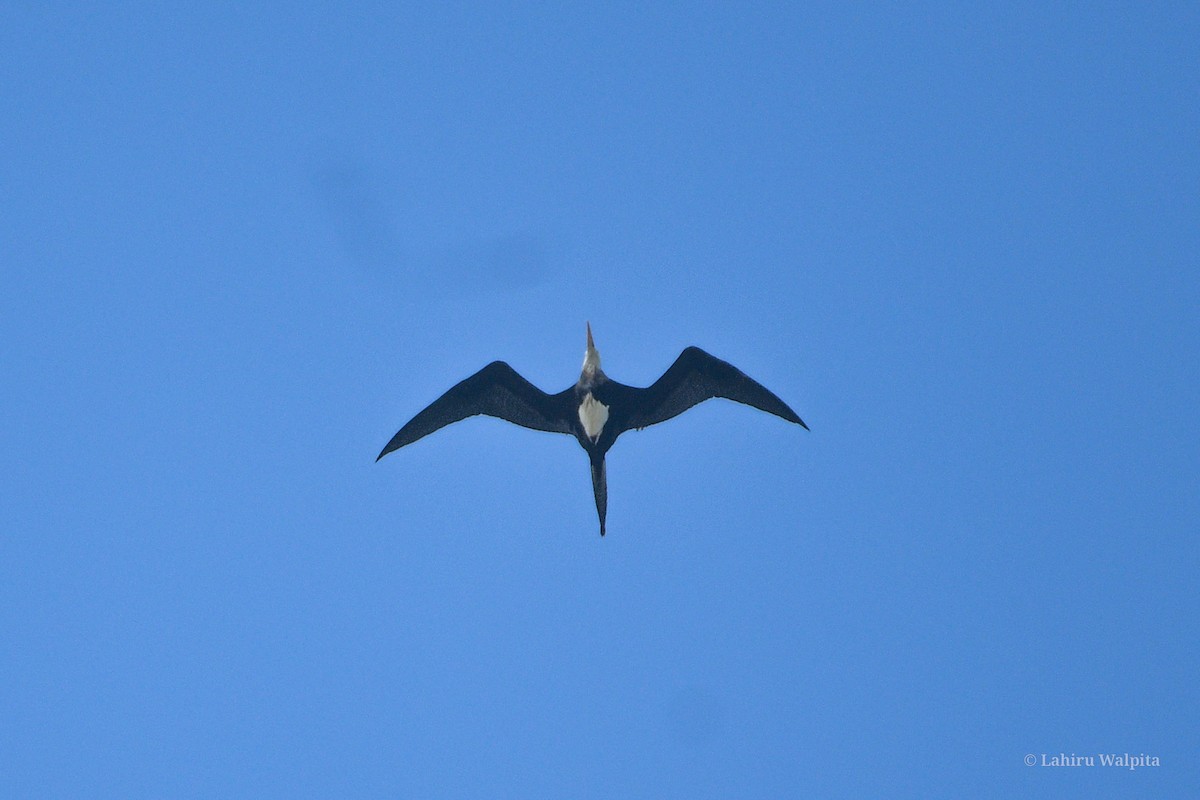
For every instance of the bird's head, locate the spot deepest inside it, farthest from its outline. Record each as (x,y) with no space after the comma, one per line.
(591,357)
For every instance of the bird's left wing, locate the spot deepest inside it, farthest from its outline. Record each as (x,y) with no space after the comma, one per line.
(695,377)
(496,390)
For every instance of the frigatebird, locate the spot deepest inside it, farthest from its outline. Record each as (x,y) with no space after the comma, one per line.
(597,409)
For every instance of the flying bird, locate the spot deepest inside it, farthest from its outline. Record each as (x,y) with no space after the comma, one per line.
(597,409)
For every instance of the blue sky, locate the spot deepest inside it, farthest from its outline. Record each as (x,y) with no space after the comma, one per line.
(242,246)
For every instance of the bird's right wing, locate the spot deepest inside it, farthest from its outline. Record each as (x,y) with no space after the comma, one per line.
(695,377)
(496,390)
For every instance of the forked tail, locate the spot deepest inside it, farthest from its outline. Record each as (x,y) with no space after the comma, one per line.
(600,487)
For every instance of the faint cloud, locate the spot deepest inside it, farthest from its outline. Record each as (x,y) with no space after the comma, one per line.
(696,716)
(514,261)
(364,223)
(360,219)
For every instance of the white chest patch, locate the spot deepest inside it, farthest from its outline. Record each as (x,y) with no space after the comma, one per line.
(592,416)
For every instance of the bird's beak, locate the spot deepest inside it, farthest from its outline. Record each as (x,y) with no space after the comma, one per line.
(590,346)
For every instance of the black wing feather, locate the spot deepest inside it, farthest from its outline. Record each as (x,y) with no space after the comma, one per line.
(695,377)
(496,390)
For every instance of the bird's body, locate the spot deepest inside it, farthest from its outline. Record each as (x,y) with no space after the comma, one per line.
(596,410)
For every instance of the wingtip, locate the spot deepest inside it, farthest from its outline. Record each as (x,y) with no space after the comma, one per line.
(802,425)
